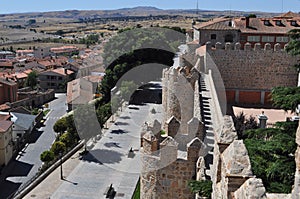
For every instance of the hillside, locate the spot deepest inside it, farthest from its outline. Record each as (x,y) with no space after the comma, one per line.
(124,12)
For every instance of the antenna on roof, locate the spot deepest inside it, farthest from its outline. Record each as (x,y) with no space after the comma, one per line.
(281,6)
(197,9)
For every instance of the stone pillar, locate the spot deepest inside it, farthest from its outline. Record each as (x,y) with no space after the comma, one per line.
(184,90)
(168,152)
(247,46)
(262,120)
(173,126)
(257,47)
(277,47)
(150,144)
(237,46)
(267,47)
(218,45)
(228,46)
(195,128)
(252,188)
(193,149)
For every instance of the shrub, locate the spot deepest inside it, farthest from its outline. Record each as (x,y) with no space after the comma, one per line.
(203,187)
(58,147)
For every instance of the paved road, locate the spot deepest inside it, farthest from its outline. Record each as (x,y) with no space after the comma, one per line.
(108,161)
(26,165)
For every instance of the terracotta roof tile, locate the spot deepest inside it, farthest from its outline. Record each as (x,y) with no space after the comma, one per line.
(215,24)
(256,25)
(5,125)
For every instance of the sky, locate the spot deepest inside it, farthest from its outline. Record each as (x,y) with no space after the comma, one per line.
(20,6)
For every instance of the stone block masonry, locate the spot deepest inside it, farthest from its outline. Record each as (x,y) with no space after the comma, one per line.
(249,73)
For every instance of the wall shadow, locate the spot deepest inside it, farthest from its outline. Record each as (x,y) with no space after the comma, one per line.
(103,156)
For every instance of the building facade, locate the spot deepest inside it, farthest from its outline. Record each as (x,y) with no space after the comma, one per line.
(6,145)
(8,90)
(55,79)
(247,30)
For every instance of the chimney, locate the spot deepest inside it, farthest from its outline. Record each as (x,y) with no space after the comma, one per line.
(66,71)
(247,21)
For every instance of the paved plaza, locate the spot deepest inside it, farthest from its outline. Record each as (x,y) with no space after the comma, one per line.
(107,162)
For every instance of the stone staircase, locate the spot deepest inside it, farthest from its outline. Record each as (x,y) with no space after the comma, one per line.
(208,119)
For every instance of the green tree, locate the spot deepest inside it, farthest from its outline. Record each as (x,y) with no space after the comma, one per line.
(47,156)
(286,98)
(252,15)
(270,155)
(31,80)
(203,187)
(293,46)
(127,89)
(115,104)
(58,147)
(68,139)
(241,123)
(103,113)
(60,125)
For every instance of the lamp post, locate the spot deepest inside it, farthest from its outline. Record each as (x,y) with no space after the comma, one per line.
(61,170)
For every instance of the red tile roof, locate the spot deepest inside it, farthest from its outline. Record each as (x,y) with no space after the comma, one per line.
(6,64)
(215,24)
(61,71)
(256,25)
(5,125)
(4,117)
(4,107)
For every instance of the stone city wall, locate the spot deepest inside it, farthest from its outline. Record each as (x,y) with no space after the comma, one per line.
(250,74)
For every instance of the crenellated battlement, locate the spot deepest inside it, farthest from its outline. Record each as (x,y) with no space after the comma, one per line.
(267,47)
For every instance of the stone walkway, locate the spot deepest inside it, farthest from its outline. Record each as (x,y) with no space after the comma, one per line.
(106,163)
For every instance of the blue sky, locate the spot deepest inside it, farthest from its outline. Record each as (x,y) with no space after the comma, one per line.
(13,6)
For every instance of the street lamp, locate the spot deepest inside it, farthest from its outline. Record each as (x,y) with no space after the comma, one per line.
(61,170)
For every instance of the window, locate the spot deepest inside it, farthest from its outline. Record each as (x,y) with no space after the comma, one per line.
(278,23)
(294,23)
(48,77)
(267,38)
(243,38)
(213,36)
(253,38)
(267,23)
(48,84)
(59,78)
(282,39)
(53,84)
(229,38)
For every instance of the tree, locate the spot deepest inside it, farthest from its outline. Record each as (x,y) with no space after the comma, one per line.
(31,80)
(241,124)
(103,113)
(47,156)
(203,187)
(115,104)
(269,151)
(252,15)
(293,46)
(58,147)
(68,139)
(127,89)
(60,125)
(286,98)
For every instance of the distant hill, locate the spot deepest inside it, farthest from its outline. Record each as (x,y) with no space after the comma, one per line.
(124,12)
(141,8)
